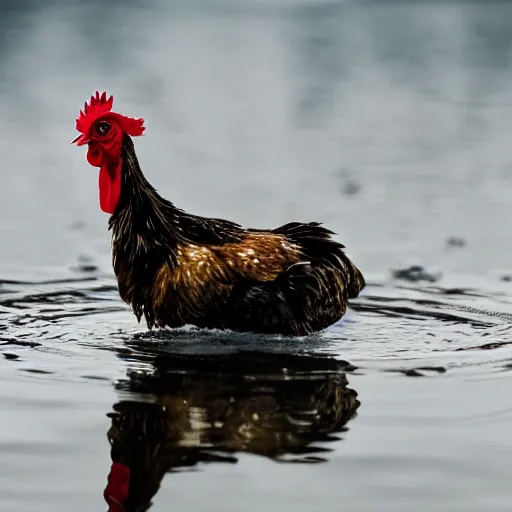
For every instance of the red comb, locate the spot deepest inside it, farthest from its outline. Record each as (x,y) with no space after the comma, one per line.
(98,106)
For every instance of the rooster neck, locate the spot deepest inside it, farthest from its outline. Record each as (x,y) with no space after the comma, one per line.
(144,225)
(137,195)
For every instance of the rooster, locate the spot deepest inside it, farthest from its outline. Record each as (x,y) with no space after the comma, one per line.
(177,269)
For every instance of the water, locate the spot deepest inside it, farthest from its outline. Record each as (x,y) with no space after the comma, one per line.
(388,121)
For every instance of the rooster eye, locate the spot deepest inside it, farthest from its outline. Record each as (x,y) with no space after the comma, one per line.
(103,127)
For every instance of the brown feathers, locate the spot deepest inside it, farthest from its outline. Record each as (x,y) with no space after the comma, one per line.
(203,272)
(258,256)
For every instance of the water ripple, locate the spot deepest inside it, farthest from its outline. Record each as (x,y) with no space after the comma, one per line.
(415,330)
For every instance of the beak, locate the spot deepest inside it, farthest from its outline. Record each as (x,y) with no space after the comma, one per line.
(80,140)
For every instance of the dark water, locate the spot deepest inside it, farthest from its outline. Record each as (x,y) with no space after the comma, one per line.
(390,122)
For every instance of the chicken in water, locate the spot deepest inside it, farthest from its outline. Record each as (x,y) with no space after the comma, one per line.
(177,269)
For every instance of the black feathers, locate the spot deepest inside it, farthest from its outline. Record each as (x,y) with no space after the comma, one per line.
(175,268)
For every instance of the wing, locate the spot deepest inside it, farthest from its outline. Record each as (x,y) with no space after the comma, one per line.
(205,276)
(262,256)
(259,256)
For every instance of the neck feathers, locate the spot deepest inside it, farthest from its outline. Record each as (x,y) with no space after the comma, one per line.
(144,224)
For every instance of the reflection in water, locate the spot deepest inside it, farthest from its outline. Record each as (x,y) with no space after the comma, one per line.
(187,409)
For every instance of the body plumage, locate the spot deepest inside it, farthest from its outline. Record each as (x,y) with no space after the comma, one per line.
(175,268)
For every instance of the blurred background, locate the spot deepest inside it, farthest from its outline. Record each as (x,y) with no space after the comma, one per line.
(386,120)
(389,121)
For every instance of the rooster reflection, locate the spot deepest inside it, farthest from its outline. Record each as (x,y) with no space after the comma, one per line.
(190,409)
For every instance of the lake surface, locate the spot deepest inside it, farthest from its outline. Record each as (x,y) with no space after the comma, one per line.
(389,122)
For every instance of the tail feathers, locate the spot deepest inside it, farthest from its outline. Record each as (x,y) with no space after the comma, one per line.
(317,245)
(357,281)
(299,232)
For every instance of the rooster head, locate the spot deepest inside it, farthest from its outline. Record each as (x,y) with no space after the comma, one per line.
(103,131)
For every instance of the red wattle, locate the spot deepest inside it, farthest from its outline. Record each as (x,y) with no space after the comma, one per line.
(110,187)
(117,488)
